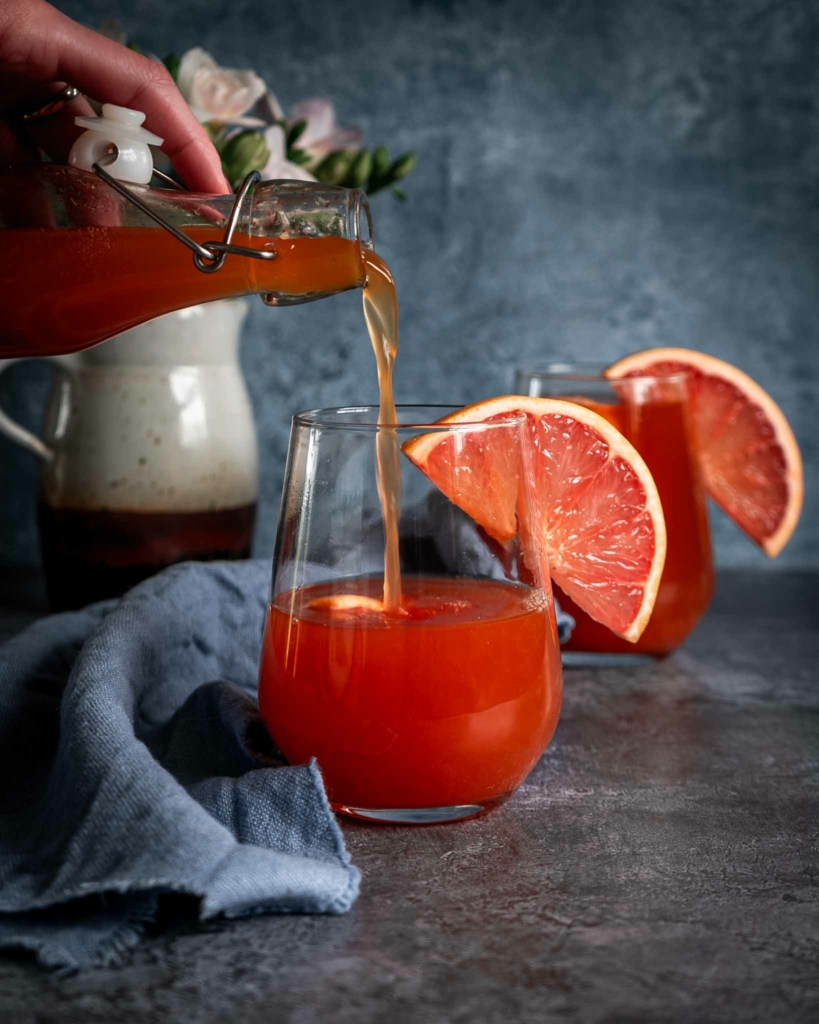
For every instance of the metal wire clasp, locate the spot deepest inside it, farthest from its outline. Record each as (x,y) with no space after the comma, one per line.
(207,256)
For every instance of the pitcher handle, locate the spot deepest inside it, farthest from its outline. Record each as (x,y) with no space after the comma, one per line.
(14,432)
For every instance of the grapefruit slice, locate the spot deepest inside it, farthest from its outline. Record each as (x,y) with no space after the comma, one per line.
(598,516)
(749,457)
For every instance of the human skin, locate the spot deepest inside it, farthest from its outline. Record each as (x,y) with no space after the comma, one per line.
(41,50)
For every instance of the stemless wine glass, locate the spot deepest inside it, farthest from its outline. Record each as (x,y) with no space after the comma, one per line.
(652,412)
(434,710)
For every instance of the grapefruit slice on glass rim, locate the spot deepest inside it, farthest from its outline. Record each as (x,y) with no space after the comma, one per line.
(599,517)
(748,455)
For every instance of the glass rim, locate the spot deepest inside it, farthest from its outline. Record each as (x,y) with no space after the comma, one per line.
(328,419)
(588,372)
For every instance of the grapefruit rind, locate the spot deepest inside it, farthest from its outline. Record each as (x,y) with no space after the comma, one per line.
(710,366)
(420,449)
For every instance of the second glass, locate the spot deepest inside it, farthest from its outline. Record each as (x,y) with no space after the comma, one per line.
(434,711)
(652,412)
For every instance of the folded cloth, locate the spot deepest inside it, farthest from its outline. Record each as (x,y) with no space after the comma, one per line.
(135,769)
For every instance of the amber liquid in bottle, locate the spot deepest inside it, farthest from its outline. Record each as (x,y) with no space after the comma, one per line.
(69,288)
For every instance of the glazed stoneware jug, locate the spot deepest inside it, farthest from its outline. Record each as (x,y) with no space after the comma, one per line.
(148,454)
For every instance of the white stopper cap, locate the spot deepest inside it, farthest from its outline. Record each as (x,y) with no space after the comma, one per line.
(121,128)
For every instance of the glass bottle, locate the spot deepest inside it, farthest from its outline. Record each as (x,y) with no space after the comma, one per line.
(79,262)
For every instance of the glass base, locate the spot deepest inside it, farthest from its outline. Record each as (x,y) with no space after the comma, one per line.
(420,815)
(597,659)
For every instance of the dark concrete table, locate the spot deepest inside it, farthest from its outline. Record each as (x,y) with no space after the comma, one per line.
(660,864)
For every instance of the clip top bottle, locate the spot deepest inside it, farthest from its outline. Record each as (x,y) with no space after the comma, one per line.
(90,251)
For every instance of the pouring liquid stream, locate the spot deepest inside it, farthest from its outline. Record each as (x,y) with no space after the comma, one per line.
(104,279)
(381,314)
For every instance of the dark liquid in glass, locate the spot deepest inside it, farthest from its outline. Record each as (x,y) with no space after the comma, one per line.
(91,555)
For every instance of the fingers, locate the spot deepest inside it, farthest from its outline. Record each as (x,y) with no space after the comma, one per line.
(187,144)
(48,47)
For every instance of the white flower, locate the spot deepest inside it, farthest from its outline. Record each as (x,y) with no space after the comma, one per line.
(278,166)
(217,94)
(322,135)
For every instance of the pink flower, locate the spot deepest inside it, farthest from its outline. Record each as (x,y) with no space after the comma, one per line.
(222,95)
(278,166)
(322,135)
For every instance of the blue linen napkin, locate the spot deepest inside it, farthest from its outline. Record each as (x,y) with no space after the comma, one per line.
(134,768)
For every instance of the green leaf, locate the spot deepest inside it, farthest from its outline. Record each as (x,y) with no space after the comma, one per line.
(171,62)
(378,173)
(135,47)
(244,153)
(294,132)
(399,193)
(299,156)
(333,168)
(360,169)
(381,161)
(402,166)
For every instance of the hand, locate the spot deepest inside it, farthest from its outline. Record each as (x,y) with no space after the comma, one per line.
(41,50)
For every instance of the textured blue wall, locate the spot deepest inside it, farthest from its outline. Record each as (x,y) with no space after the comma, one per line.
(594,177)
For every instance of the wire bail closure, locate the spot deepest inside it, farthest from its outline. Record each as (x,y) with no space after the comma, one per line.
(208,257)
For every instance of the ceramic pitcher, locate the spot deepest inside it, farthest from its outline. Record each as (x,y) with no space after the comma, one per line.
(148,454)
